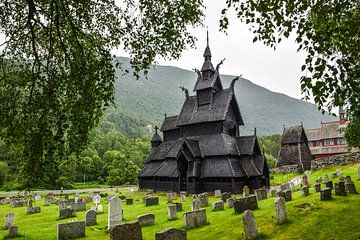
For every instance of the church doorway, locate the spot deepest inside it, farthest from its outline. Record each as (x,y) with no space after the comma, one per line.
(183,168)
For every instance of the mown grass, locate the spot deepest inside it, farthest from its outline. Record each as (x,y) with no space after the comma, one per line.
(335,219)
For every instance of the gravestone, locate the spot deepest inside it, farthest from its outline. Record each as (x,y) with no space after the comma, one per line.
(146,219)
(317,187)
(204,200)
(171,212)
(326,178)
(246,191)
(171,196)
(245,203)
(347,179)
(273,192)
(178,206)
(195,218)
(285,186)
(261,194)
(171,234)
(329,184)
(325,194)
(66,213)
(250,227)
(183,198)
(46,201)
(280,210)
(114,212)
(225,196)
(97,199)
(37,197)
(79,206)
(334,175)
(340,189)
(146,197)
(9,219)
(99,208)
(129,201)
(74,229)
(195,204)
(90,218)
(33,210)
(304,191)
(350,188)
(13,232)
(292,187)
(126,231)
(151,201)
(288,195)
(219,205)
(217,193)
(280,194)
(62,205)
(230,202)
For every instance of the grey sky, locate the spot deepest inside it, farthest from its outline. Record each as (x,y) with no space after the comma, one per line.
(277,70)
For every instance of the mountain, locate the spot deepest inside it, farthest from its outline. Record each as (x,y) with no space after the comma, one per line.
(160,93)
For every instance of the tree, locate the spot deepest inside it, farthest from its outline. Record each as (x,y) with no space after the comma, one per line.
(327,30)
(56,68)
(121,170)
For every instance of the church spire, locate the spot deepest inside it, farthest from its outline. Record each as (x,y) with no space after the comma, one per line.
(156,139)
(207,66)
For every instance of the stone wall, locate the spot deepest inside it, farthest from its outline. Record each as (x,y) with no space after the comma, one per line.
(316,165)
(294,168)
(335,161)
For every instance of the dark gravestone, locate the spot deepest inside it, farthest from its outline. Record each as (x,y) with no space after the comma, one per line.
(79,206)
(261,194)
(350,188)
(325,194)
(329,184)
(288,195)
(71,230)
(146,219)
(178,206)
(304,191)
(317,187)
(71,201)
(171,234)
(245,203)
(129,201)
(225,196)
(122,197)
(33,210)
(126,231)
(13,232)
(150,201)
(340,189)
(66,213)
(90,218)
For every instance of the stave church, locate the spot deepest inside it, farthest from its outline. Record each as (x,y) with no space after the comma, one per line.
(201,149)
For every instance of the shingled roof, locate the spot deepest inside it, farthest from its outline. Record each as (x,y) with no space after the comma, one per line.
(295,134)
(246,144)
(169,123)
(208,83)
(191,114)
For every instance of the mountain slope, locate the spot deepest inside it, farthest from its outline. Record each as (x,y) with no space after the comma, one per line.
(268,111)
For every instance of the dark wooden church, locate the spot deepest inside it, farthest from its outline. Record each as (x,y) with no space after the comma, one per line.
(202,149)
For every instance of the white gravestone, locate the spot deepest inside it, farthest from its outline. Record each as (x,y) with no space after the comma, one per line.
(114,212)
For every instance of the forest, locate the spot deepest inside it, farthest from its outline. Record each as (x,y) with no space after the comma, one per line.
(116,152)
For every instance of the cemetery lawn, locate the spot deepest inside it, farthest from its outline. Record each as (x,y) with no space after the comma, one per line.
(308,218)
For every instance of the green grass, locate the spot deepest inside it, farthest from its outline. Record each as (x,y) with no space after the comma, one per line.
(335,219)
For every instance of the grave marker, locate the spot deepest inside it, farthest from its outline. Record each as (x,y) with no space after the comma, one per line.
(74,229)
(126,231)
(90,218)
(114,212)
(250,227)
(280,210)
